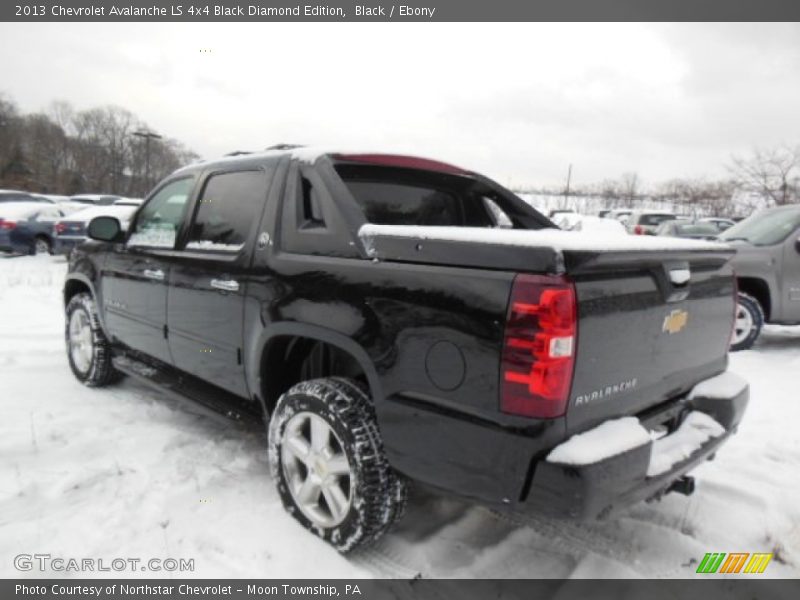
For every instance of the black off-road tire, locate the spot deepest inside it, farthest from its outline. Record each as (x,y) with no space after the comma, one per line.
(378,493)
(101,371)
(747,303)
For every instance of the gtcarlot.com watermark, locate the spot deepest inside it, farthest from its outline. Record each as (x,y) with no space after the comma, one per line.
(48,562)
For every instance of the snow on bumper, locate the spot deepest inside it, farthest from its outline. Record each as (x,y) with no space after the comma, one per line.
(622,461)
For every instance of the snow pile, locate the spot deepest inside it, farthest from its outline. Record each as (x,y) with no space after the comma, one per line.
(533,238)
(695,431)
(163,481)
(604,441)
(725,385)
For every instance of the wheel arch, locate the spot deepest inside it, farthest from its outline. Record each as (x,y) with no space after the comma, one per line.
(759,289)
(291,346)
(75,284)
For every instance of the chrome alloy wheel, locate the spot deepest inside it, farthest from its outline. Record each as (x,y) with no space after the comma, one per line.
(81,342)
(316,469)
(743,324)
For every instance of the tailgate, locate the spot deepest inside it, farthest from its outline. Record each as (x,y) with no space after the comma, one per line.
(651,326)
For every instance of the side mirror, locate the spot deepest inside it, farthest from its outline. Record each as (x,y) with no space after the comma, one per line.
(797,244)
(105,229)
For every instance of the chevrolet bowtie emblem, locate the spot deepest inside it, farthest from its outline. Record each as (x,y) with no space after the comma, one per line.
(675,321)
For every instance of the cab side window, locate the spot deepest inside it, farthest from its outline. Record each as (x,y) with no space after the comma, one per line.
(159,220)
(228,210)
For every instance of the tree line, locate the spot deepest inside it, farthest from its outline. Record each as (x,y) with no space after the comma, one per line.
(67,151)
(766,177)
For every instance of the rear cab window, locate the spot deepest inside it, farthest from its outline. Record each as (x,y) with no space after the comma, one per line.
(401,196)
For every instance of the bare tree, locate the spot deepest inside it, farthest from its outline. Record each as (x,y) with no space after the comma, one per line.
(769,172)
(66,151)
(629,188)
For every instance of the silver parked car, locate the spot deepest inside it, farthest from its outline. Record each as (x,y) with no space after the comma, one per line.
(645,222)
(767,265)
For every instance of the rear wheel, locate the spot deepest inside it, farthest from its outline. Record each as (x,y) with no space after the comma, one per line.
(748,322)
(88,350)
(41,245)
(328,463)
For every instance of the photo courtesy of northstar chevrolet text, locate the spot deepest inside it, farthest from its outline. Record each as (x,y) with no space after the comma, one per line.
(378,294)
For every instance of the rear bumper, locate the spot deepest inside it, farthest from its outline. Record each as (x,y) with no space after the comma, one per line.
(7,244)
(64,245)
(597,490)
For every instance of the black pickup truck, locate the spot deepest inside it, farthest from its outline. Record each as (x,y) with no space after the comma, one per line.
(394,318)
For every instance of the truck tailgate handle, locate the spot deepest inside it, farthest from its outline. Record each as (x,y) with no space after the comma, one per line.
(227,285)
(156,274)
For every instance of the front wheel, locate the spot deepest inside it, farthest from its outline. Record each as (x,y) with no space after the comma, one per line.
(88,350)
(327,460)
(748,322)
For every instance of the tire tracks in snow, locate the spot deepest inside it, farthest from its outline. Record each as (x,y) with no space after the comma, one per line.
(396,557)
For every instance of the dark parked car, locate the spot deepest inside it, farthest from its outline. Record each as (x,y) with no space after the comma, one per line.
(26,227)
(687,229)
(374,312)
(70,231)
(767,268)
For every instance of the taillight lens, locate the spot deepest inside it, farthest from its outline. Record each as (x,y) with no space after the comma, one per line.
(539,347)
(638,230)
(7,225)
(59,228)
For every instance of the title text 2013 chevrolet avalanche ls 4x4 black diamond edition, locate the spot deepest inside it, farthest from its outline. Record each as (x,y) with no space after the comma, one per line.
(394,318)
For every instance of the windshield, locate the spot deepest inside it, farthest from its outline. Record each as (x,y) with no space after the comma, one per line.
(765,228)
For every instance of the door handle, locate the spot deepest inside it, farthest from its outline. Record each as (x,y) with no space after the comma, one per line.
(227,285)
(156,274)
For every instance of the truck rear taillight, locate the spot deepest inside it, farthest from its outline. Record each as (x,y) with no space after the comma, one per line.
(539,347)
(7,225)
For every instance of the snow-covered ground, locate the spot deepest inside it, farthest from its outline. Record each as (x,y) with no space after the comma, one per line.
(125,472)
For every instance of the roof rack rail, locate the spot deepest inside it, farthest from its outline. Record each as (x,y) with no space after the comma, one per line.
(284,147)
(238,153)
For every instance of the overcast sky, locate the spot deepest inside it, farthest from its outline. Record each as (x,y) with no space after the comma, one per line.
(519,102)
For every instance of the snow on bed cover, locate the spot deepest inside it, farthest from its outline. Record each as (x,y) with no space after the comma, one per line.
(725,385)
(696,429)
(535,238)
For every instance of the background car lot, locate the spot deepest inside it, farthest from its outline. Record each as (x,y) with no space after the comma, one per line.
(169,480)
(27,227)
